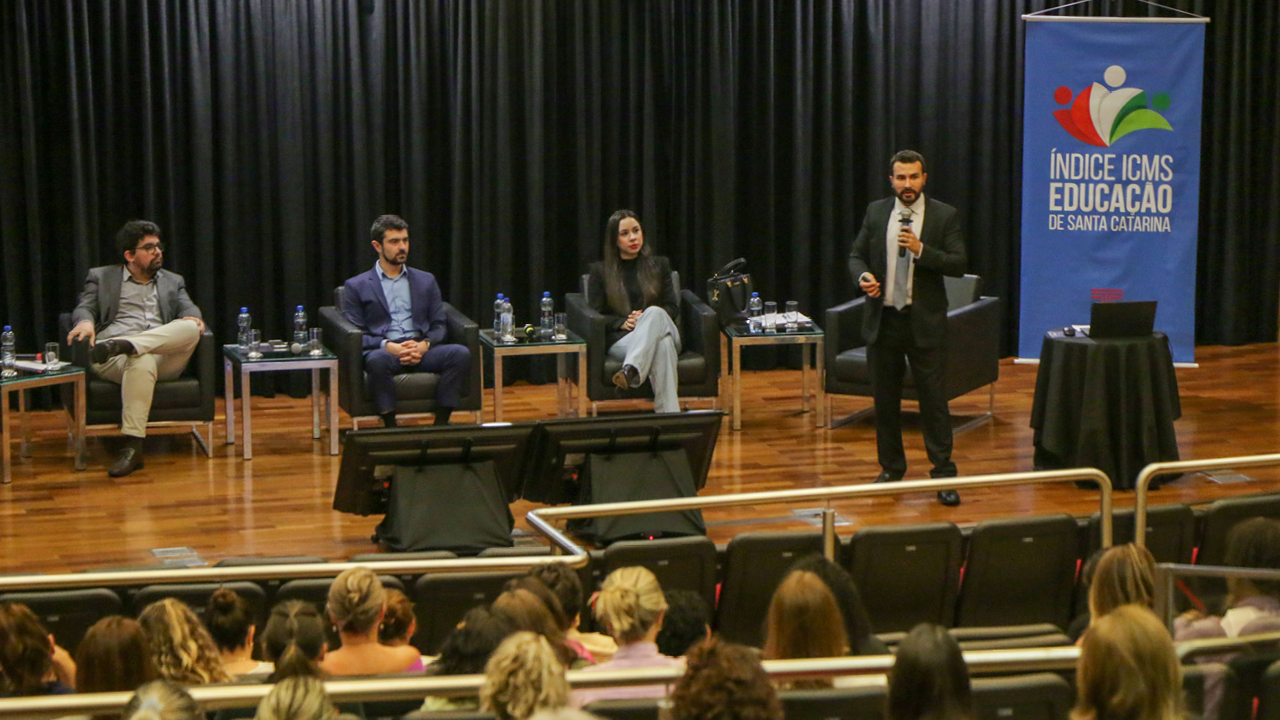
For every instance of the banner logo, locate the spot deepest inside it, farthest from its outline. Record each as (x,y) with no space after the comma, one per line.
(1100,117)
(1106,295)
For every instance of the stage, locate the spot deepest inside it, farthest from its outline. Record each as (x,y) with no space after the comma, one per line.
(54,519)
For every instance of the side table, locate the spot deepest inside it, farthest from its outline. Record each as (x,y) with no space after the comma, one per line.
(810,337)
(67,373)
(234,358)
(560,348)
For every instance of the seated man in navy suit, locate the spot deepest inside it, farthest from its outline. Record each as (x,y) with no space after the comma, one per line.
(403,319)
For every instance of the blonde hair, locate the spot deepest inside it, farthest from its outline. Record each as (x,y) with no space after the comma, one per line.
(1128,669)
(629,603)
(1124,575)
(162,700)
(356,598)
(300,697)
(181,646)
(522,677)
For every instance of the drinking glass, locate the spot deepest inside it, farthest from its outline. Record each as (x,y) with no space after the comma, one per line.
(770,317)
(562,326)
(316,343)
(255,344)
(51,355)
(793,315)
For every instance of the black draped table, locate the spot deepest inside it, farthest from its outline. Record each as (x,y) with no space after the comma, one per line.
(1106,403)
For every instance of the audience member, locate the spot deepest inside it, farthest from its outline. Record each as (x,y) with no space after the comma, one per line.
(528,612)
(1080,622)
(686,623)
(804,622)
(466,651)
(162,700)
(357,604)
(296,698)
(562,619)
(929,679)
(862,638)
(114,656)
(399,623)
(31,663)
(724,681)
(294,640)
(564,582)
(1125,575)
(564,713)
(181,647)
(630,605)
(1128,669)
(230,623)
(523,676)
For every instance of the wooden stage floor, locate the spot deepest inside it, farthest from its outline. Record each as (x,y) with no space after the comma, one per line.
(54,519)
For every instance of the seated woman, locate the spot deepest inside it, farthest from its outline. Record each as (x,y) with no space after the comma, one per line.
(567,586)
(465,652)
(229,622)
(181,647)
(114,656)
(527,610)
(400,622)
(31,663)
(294,640)
(804,622)
(297,698)
(724,682)
(524,676)
(630,605)
(686,623)
(1128,669)
(1124,575)
(162,700)
(632,288)
(857,626)
(929,678)
(357,604)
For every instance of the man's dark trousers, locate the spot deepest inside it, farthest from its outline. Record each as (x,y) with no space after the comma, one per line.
(450,362)
(895,346)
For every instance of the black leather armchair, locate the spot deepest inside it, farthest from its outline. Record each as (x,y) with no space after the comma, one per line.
(973,350)
(698,366)
(186,401)
(415,392)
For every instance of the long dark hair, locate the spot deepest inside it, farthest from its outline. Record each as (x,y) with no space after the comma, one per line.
(857,624)
(294,640)
(929,678)
(615,291)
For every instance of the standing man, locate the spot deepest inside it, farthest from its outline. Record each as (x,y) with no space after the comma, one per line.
(400,312)
(141,325)
(906,245)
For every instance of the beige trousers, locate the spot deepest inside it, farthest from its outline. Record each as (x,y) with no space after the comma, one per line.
(161,353)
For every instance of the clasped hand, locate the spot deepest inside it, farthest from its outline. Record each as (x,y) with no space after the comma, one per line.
(630,323)
(410,351)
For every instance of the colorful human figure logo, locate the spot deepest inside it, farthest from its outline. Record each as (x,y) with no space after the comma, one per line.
(1099,116)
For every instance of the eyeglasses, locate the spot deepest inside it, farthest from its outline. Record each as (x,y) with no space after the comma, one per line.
(151,247)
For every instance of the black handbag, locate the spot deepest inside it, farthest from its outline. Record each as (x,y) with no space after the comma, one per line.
(728,292)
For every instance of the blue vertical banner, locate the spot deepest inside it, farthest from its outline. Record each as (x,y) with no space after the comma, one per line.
(1110,172)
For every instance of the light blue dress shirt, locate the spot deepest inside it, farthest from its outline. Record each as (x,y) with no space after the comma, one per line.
(399,304)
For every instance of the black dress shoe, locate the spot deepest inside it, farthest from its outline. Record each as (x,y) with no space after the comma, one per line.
(885,476)
(127,461)
(108,349)
(950,498)
(627,377)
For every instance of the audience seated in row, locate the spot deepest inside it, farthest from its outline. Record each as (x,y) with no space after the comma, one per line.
(524,675)
(357,605)
(564,582)
(466,651)
(230,623)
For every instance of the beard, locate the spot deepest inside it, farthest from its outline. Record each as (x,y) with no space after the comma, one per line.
(908,195)
(393,259)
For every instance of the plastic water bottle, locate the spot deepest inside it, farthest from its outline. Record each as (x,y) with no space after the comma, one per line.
(300,329)
(548,316)
(497,316)
(8,357)
(755,309)
(507,329)
(244,322)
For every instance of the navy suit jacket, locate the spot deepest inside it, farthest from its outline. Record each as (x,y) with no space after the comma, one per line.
(365,305)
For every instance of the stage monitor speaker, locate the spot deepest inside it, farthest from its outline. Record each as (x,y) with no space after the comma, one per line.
(631,476)
(460,507)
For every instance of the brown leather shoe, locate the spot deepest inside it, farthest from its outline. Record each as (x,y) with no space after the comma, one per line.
(129,459)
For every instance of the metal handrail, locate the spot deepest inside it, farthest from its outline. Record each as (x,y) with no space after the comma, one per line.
(1192,648)
(1161,468)
(384,688)
(1167,572)
(541,519)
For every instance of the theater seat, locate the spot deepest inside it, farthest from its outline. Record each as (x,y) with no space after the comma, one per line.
(440,601)
(68,614)
(1019,572)
(1041,696)
(856,703)
(687,563)
(754,565)
(907,574)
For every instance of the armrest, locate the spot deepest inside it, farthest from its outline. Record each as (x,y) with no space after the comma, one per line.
(701,331)
(346,341)
(590,325)
(464,331)
(973,336)
(206,371)
(843,329)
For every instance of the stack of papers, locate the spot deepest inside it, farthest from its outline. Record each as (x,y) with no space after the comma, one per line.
(36,366)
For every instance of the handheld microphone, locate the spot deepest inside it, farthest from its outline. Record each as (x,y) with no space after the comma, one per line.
(904,217)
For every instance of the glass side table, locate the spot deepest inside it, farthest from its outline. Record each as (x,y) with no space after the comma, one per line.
(236,360)
(535,346)
(810,337)
(29,380)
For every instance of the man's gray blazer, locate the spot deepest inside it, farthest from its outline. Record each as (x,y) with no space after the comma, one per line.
(101,297)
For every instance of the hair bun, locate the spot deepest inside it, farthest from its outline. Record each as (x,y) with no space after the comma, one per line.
(224,600)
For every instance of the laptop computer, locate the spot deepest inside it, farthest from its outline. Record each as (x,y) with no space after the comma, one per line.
(1122,319)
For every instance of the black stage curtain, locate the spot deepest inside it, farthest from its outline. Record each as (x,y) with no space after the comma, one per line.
(266,135)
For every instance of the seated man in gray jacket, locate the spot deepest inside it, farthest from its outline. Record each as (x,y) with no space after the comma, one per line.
(141,325)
